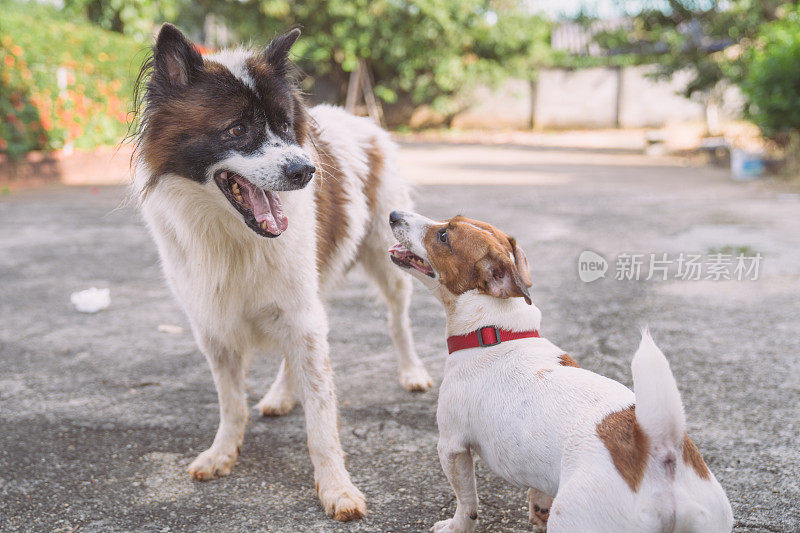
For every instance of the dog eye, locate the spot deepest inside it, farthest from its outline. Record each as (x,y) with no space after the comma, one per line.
(443,236)
(237,130)
(285,127)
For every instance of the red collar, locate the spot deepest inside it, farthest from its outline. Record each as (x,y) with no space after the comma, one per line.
(486,336)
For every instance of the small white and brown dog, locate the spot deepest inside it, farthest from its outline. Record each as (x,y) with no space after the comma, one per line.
(595,456)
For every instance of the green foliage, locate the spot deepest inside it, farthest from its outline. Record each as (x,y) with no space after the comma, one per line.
(420,51)
(772,78)
(136,18)
(98,71)
(692,34)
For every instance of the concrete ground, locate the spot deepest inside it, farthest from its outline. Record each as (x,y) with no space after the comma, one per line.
(101,414)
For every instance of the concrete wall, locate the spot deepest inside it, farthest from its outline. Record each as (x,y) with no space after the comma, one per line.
(508,106)
(648,103)
(576,98)
(591,98)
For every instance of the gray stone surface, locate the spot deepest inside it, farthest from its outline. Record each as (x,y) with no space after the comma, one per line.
(100,414)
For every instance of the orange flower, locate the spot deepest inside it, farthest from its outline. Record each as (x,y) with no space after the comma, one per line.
(9,61)
(102,57)
(3,144)
(6,40)
(16,50)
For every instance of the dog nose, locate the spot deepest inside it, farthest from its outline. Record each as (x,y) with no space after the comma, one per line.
(395,217)
(299,174)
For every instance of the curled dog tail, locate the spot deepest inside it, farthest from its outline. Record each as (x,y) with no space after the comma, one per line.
(659,410)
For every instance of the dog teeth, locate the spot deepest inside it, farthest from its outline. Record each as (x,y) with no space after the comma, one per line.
(235,188)
(264,225)
(239,197)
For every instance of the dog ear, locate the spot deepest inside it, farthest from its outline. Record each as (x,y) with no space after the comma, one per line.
(176,61)
(277,52)
(521,262)
(499,276)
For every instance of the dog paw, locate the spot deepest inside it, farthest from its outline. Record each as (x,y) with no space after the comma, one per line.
(454,525)
(343,503)
(415,379)
(213,463)
(538,518)
(275,404)
(539,509)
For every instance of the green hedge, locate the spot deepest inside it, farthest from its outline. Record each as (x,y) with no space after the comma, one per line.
(97,69)
(772,78)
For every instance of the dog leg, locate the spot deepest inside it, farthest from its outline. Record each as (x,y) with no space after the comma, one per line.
(228,370)
(460,471)
(280,398)
(539,509)
(309,369)
(395,287)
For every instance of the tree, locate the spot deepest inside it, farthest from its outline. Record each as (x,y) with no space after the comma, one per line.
(702,36)
(771,79)
(419,51)
(131,17)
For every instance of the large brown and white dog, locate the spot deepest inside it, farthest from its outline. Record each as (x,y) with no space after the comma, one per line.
(596,456)
(250,243)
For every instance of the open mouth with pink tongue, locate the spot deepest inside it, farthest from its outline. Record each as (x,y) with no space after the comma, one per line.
(404,258)
(262,210)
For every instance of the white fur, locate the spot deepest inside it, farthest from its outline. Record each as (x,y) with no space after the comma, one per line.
(534,422)
(263,168)
(234,59)
(659,409)
(245,293)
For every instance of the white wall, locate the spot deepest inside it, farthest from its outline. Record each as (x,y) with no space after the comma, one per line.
(647,103)
(508,106)
(587,98)
(576,98)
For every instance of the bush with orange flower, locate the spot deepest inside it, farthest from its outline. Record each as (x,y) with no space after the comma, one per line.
(62,82)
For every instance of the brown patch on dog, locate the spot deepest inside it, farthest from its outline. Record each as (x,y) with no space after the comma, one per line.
(477,256)
(332,224)
(258,67)
(267,77)
(347,514)
(196,111)
(566,360)
(627,444)
(692,457)
(372,181)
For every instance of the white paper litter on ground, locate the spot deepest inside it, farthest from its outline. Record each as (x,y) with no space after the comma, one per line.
(170,328)
(91,300)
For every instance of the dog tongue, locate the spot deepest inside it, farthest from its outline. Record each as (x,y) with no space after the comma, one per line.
(267,208)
